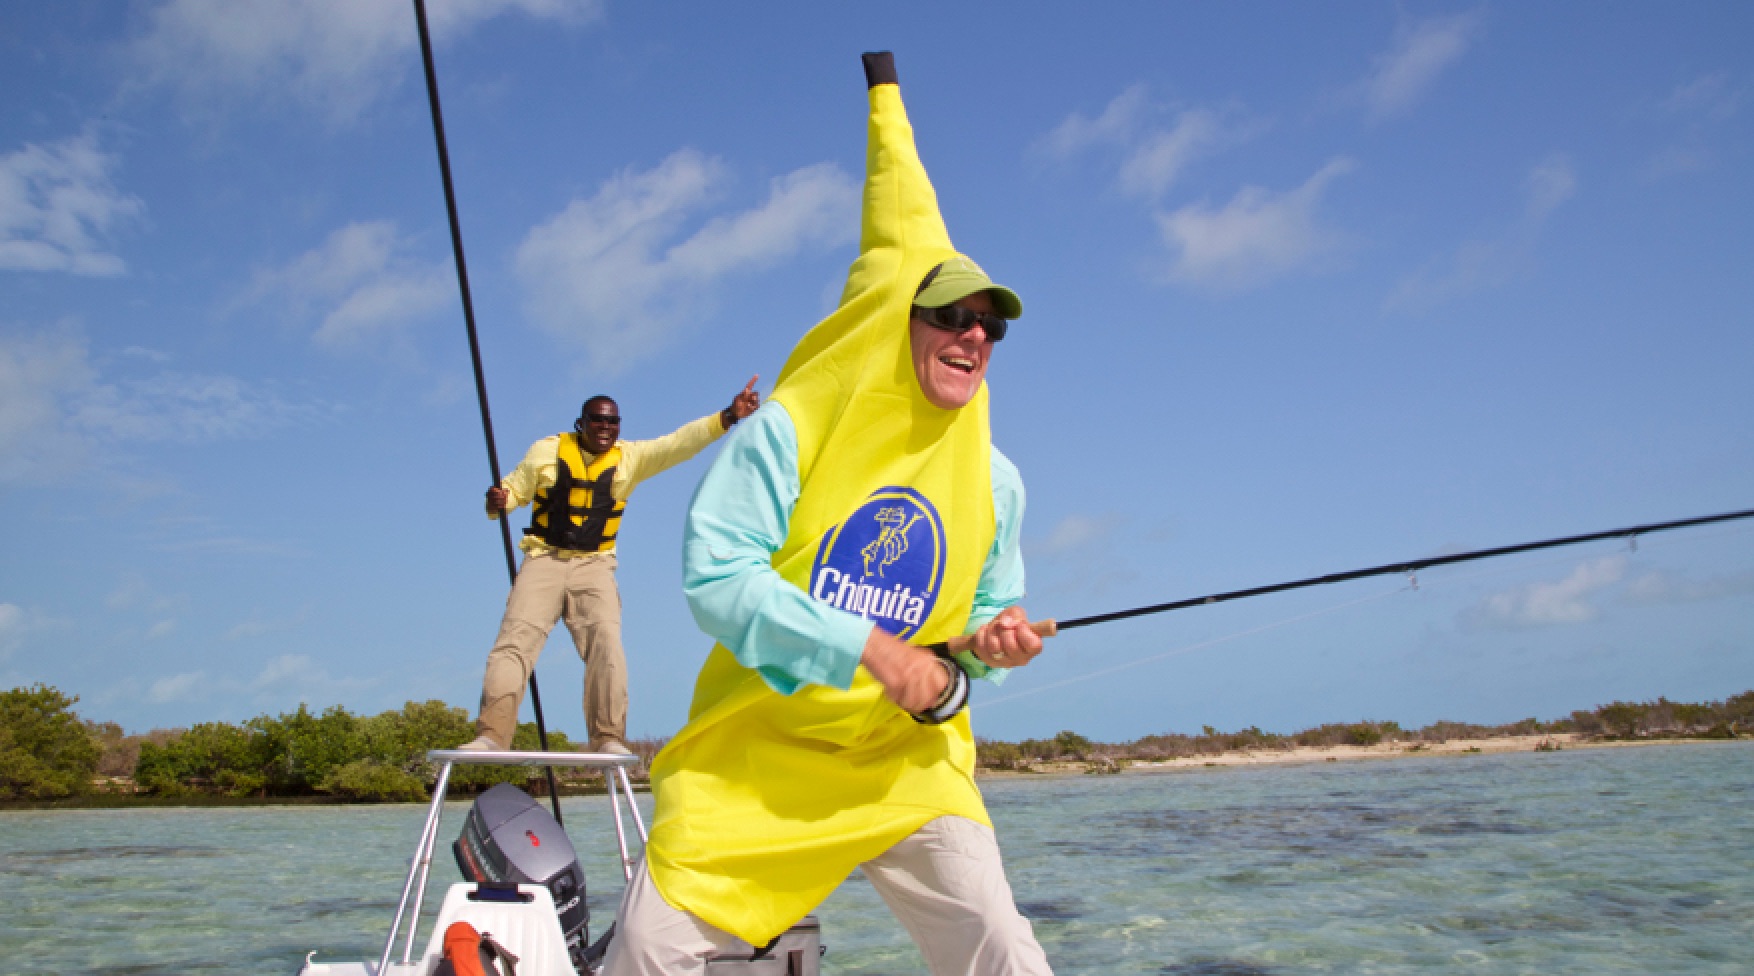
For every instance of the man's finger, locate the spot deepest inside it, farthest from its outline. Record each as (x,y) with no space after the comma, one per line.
(750,386)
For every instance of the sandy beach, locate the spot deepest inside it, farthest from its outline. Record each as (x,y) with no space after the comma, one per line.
(1316,754)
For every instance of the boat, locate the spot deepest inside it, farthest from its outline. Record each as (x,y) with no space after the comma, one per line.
(523,917)
(517,905)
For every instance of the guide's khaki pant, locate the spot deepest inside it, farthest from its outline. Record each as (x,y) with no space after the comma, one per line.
(944,882)
(582,592)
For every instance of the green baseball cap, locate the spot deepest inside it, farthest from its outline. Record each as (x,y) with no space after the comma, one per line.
(960,277)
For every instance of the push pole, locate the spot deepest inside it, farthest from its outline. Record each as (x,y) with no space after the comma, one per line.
(505,532)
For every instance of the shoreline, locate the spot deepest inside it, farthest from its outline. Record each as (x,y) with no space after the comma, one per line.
(1303,755)
(1102,765)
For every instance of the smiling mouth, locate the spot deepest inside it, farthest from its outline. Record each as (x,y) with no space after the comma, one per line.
(961,364)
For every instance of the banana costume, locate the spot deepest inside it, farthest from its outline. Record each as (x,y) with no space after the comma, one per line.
(766,802)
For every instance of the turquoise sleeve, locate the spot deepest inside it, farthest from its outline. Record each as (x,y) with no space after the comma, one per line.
(1001,582)
(740,516)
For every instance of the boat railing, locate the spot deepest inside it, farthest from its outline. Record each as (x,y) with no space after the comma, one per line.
(613,765)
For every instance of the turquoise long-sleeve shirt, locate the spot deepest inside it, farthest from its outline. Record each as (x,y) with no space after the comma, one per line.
(741,514)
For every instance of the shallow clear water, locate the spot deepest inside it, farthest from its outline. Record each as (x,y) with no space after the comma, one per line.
(1586,861)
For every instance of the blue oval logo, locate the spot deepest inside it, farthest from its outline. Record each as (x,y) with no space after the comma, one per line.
(884,562)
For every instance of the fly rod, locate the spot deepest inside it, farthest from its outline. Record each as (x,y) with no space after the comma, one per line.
(505,532)
(1050,627)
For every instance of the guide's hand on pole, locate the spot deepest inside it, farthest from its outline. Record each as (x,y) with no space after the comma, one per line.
(496,499)
(911,676)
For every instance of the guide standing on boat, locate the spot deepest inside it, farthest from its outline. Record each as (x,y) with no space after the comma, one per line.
(578,484)
(861,509)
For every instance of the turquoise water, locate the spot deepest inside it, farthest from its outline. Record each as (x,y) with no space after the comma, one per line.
(1586,861)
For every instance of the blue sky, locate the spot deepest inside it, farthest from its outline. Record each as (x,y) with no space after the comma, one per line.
(1308,287)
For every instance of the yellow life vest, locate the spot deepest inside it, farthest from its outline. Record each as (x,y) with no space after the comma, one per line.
(766,802)
(579,511)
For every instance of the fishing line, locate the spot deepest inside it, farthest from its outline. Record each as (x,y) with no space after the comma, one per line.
(1417,585)
(505,532)
(1050,627)
(1403,568)
(1187,648)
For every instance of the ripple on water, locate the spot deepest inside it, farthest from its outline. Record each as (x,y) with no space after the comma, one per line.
(1216,967)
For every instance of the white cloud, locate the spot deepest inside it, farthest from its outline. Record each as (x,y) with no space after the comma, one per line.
(11,627)
(361,282)
(1152,158)
(601,271)
(336,55)
(163,628)
(1419,53)
(1657,588)
(1697,110)
(1076,532)
(57,207)
(258,627)
(188,686)
(37,373)
(57,406)
(1481,264)
(1711,96)
(186,407)
(1116,125)
(1552,182)
(1567,601)
(296,677)
(1154,164)
(135,593)
(1256,236)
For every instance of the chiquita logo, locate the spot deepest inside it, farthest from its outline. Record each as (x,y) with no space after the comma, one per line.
(884,562)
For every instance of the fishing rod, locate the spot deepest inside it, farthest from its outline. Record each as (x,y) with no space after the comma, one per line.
(505,532)
(1051,627)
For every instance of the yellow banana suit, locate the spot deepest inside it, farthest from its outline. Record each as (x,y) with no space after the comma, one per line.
(766,802)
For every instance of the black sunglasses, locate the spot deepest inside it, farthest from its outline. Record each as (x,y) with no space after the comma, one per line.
(597,418)
(955,318)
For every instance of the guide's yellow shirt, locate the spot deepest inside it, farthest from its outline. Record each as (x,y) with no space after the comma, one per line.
(765,802)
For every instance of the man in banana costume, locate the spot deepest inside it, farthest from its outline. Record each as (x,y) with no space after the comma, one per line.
(861,508)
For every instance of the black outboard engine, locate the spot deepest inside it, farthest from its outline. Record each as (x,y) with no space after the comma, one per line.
(509,837)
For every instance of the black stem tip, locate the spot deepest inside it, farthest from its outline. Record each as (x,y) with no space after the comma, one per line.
(879,68)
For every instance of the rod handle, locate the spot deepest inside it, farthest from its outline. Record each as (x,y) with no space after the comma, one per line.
(1043,628)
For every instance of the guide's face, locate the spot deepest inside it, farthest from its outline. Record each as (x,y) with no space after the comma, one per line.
(599,426)
(951,365)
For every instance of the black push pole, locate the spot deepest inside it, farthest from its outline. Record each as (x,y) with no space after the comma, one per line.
(505,532)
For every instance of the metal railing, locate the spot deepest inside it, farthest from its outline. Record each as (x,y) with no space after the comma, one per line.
(614,767)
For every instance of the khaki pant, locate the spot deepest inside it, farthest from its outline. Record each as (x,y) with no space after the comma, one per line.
(944,882)
(582,592)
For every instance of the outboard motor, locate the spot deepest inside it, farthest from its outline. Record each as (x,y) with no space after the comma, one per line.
(509,837)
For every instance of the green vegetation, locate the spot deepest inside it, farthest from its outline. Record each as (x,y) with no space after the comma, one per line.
(48,753)
(1661,719)
(362,758)
(45,751)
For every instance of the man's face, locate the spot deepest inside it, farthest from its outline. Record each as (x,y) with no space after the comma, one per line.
(950,366)
(599,426)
